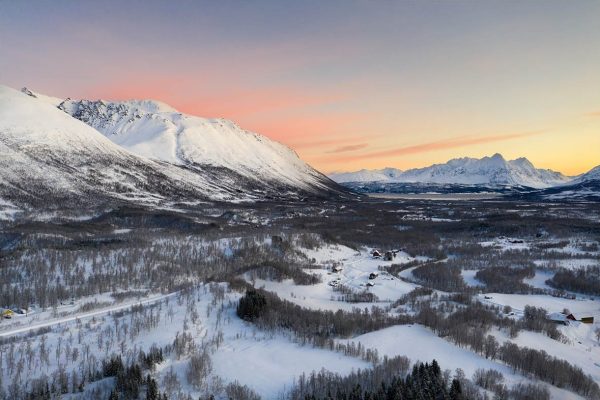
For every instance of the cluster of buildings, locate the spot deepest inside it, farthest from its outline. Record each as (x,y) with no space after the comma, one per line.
(389,255)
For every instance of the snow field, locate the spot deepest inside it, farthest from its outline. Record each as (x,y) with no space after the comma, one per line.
(420,344)
(266,362)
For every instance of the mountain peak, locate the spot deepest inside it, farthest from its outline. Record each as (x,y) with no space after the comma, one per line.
(55,101)
(28,92)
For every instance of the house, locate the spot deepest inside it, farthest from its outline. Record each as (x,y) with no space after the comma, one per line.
(370,284)
(559,318)
(376,254)
(8,314)
(336,268)
(373,275)
(389,256)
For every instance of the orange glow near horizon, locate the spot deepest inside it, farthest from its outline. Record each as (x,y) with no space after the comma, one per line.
(347,84)
(344,141)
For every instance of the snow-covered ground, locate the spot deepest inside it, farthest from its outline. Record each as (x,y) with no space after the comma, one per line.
(469,277)
(266,362)
(582,348)
(539,279)
(419,343)
(504,243)
(569,263)
(355,269)
(583,307)
(269,363)
(37,319)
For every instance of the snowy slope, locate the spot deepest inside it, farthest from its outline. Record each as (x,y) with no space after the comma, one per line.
(55,101)
(494,170)
(50,159)
(584,187)
(364,175)
(155,130)
(592,175)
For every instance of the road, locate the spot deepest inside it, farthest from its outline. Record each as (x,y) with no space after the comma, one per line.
(95,313)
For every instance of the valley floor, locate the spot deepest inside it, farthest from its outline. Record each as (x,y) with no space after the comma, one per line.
(206,348)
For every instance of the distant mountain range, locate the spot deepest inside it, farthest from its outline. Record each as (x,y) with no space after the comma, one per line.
(472,175)
(60,154)
(494,170)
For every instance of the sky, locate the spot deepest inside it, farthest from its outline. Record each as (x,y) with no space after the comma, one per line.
(347,84)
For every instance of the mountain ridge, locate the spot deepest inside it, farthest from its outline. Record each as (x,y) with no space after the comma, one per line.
(490,170)
(157,131)
(52,160)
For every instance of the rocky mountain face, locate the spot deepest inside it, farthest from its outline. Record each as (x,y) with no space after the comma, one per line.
(156,131)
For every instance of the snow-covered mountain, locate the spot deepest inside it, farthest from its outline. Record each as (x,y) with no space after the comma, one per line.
(156,131)
(585,187)
(51,159)
(157,156)
(364,175)
(592,175)
(494,170)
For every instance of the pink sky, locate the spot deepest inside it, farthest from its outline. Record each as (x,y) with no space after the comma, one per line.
(348,85)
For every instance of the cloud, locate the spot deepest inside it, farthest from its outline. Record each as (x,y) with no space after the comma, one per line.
(439,145)
(335,140)
(348,148)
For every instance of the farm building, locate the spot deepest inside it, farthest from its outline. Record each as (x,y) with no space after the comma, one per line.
(389,256)
(376,254)
(566,318)
(373,275)
(559,318)
(8,314)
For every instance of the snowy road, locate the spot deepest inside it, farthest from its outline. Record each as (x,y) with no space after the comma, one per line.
(70,318)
